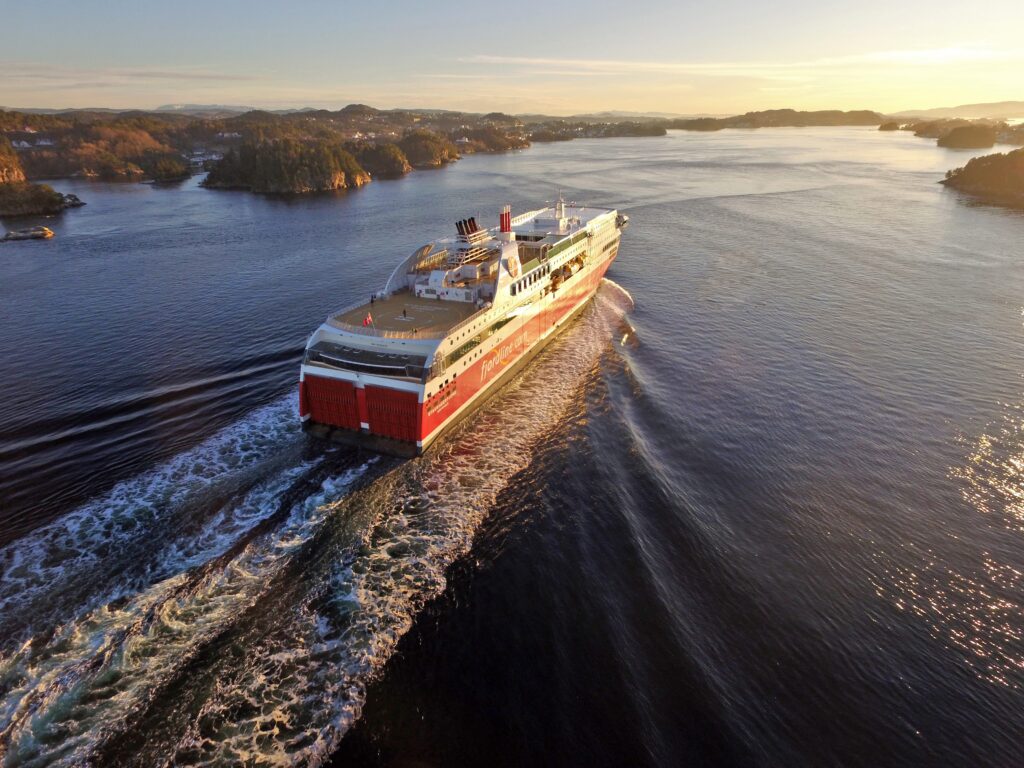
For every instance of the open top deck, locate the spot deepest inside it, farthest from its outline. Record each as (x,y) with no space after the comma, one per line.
(404,312)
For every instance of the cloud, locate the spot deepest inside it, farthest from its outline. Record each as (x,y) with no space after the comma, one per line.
(761,69)
(55,76)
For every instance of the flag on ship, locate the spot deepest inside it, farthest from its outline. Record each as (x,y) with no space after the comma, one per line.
(368,320)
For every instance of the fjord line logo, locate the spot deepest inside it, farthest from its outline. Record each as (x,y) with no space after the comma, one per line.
(502,355)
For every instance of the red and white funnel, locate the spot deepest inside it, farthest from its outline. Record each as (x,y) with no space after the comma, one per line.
(506,223)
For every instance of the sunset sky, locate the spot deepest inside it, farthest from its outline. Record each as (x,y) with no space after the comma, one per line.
(557,58)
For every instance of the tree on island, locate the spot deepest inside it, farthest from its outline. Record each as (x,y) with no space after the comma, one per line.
(170,169)
(977,136)
(287,167)
(427,150)
(491,139)
(384,160)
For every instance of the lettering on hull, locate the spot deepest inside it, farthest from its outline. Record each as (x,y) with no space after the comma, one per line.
(504,354)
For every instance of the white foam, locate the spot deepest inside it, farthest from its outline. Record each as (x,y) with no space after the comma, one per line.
(134,527)
(312,644)
(97,671)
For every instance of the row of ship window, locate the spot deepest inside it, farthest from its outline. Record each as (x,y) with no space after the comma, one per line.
(530,279)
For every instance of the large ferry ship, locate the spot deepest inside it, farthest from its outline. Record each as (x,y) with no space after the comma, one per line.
(457,319)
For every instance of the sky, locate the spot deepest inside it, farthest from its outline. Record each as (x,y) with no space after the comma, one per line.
(720,57)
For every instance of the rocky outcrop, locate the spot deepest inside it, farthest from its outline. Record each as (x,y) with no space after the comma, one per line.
(10,164)
(9,175)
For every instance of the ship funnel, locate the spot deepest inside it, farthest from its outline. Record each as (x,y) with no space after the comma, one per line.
(472,224)
(460,227)
(506,219)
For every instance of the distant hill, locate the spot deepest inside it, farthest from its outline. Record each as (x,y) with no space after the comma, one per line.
(61,110)
(221,110)
(781,118)
(615,116)
(204,110)
(998,110)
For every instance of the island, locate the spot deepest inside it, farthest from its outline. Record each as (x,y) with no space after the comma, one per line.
(287,167)
(977,136)
(997,179)
(889,125)
(19,197)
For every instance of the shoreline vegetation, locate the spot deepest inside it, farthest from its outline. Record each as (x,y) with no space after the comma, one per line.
(312,151)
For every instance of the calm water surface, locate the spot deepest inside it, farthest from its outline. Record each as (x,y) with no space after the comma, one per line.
(762,505)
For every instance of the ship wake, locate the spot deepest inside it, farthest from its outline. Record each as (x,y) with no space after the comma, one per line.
(233,605)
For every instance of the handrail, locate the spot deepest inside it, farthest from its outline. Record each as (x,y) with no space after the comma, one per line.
(459,326)
(369,330)
(524,216)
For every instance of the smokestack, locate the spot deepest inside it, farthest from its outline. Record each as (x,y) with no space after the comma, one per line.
(506,219)
(472,225)
(458,226)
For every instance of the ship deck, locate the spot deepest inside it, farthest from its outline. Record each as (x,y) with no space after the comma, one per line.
(421,315)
